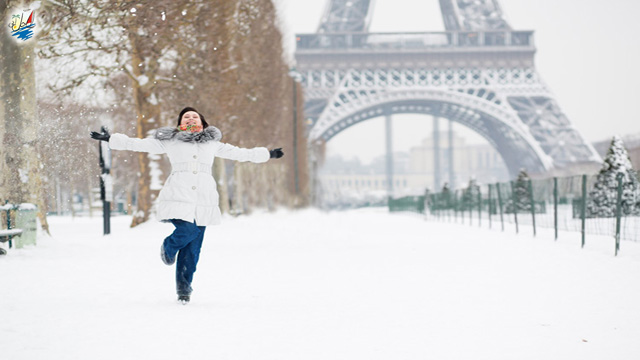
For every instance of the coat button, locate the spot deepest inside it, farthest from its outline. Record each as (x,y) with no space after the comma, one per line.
(193,187)
(195,156)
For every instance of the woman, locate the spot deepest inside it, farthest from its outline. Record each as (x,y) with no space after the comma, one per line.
(189,199)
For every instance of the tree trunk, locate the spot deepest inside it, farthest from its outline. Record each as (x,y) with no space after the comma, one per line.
(90,199)
(20,180)
(71,191)
(129,200)
(147,118)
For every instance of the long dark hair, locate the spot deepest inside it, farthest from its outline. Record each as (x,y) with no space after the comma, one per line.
(187,109)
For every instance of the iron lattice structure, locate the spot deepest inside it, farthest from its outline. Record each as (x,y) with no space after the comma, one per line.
(479,73)
(346,16)
(472,15)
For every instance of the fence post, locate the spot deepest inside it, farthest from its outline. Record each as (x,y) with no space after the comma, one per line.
(618,212)
(500,205)
(583,211)
(425,204)
(459,210)
(432,206)
(447,210)
(449,206)
(461,205)
(533,206)
(555,206)
(9,223)
(456,206)
(453,206)
(470,208)
(490,203)
(479,206)
(452,203)
(515,204)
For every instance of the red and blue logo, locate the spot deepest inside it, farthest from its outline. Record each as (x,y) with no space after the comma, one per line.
(22,25)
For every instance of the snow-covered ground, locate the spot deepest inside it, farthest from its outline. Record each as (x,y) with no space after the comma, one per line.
(359,284)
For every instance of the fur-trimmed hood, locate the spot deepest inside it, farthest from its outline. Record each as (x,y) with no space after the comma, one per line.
(211,133)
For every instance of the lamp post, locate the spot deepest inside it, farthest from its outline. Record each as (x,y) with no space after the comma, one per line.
(296,79)
(106,183)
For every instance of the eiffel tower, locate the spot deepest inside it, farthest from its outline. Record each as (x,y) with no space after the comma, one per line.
(479,73)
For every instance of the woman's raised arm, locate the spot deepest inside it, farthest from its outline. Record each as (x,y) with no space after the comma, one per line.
(148,145)
(123,142)
(231,152)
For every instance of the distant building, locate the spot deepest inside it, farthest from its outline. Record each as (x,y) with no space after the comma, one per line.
(481,162)
(414,171)
(351,176)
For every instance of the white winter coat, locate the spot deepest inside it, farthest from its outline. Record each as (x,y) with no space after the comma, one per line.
(189,193)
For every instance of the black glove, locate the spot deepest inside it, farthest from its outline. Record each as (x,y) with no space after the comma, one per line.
(276,153)
(100,136)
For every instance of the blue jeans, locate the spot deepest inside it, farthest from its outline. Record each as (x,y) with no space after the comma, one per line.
(185,241)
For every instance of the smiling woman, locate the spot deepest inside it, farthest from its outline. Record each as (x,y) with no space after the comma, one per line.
(189,199)
(191,120)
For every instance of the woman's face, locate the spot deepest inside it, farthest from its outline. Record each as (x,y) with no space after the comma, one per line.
(191,118)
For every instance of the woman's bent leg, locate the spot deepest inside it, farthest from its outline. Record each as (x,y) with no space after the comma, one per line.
(187,261)
(184,233)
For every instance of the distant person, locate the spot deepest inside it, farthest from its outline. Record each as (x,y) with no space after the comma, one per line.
(189,198)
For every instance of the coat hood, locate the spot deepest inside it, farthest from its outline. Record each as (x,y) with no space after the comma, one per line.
(211,133)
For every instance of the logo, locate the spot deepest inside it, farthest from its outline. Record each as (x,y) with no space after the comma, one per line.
(22,25)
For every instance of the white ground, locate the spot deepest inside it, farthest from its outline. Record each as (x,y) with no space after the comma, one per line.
(304,285)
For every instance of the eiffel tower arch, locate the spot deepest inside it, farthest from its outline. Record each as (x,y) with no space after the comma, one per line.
(479,72)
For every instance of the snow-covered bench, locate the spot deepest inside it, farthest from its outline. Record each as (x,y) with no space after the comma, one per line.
(7,235)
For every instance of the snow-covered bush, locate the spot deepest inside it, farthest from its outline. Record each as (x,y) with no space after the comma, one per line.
(521,194)
(470,195)
(602,199)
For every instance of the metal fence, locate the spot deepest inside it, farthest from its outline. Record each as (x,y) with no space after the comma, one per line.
(557,203)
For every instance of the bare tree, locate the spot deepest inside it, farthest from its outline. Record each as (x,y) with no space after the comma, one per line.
(223,57)
(141,39)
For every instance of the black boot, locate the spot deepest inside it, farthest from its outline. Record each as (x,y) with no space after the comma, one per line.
(184,299)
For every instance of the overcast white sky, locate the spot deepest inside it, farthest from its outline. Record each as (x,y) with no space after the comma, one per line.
(588,52)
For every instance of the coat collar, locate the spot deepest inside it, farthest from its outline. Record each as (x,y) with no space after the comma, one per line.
(211,133)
